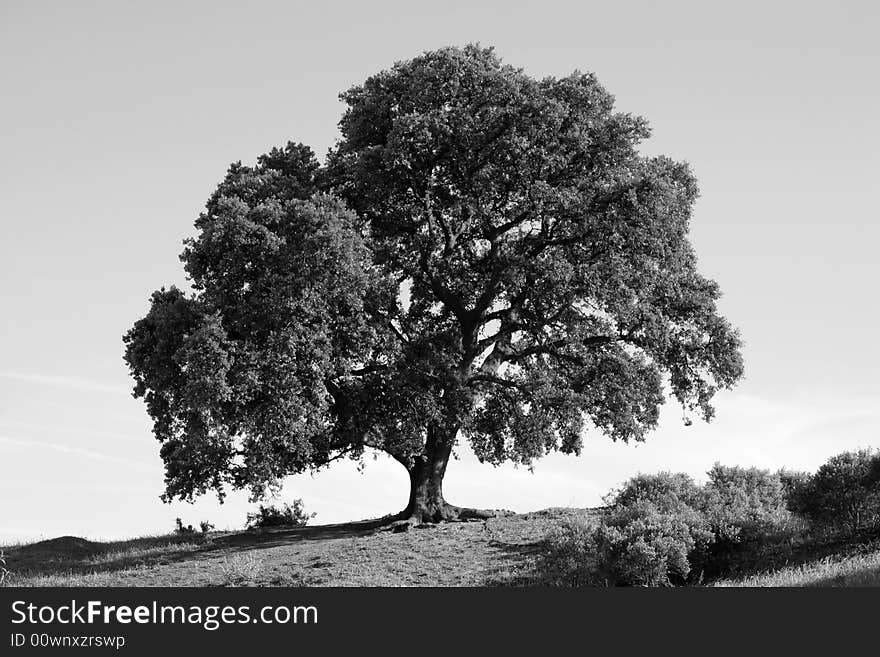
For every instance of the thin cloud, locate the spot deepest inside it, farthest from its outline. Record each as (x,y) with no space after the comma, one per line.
(113,489)
(45,428)
(76,451)
(71,382)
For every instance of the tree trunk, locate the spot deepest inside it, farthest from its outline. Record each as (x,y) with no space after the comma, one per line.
(426,503)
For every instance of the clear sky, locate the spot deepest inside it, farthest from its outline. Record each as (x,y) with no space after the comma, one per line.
(117,119)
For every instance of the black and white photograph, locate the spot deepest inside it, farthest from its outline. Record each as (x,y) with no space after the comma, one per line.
(478,295)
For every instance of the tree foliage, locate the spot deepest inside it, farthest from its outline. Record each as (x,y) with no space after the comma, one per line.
(483,255)
(661,529)
(744,503)
(238,376)
(843,494)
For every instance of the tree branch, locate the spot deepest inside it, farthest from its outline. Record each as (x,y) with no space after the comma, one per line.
(369,369)
(552,349)
(489,378)
(398,333)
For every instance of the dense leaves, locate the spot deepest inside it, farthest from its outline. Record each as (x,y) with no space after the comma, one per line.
(743,503)
(843,495)
(663,529)
(553,255)
(483,255)
(236,377)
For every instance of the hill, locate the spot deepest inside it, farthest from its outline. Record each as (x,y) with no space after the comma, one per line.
(478,553)
(497,552)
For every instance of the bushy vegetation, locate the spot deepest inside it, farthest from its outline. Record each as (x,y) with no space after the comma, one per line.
(669,490)
(747,512)
(288,515)
(644,543)
(860,569)
(743,503)
(188,530)
(664,529)
(843,496)
(240,570)
(570,558)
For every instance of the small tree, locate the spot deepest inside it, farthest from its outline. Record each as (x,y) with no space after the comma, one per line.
(742,503)
(288,515)
(793,483)
(844,494)
(483,256)
(669,491)
(641,543)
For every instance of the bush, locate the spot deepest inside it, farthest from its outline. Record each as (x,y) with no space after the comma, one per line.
(181,529)
(188,530)
(642,544)
(669,491)
(289,515)
(240,570)
(748,514)
(843,495)
(661,529)
(793,482)
(570,557)
(743,503)
(643,540)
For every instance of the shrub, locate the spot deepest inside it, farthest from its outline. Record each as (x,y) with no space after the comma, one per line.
(181,529)
(188,530)
(667,490)
(747,512)
(794,482)
(272,516)
(661,529)
(643,540)
(642,544)
(844,494)
(240,570)
(743,503)
(570,558)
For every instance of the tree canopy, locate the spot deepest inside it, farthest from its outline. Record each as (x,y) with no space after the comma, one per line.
(482,256)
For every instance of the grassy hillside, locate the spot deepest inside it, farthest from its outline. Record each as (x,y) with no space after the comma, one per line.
(501,551)
(837,570)
(497,551)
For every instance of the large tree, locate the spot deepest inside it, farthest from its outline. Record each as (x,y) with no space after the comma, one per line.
(483,256)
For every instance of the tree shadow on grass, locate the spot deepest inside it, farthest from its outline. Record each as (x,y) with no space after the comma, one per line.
(72,555)
(75,555)
(761,559)
(522,564)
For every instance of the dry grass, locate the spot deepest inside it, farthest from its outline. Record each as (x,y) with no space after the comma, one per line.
(505,551)
(4,571)
(856,570)
(498,551)
(241,570)
(137,553)
(88,563)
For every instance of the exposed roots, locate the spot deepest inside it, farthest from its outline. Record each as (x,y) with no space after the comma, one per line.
(407,518)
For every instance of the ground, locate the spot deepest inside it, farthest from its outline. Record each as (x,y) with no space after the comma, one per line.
(500,551)
(477,553)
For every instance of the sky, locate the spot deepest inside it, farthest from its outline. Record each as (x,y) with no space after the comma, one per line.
(118,119)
